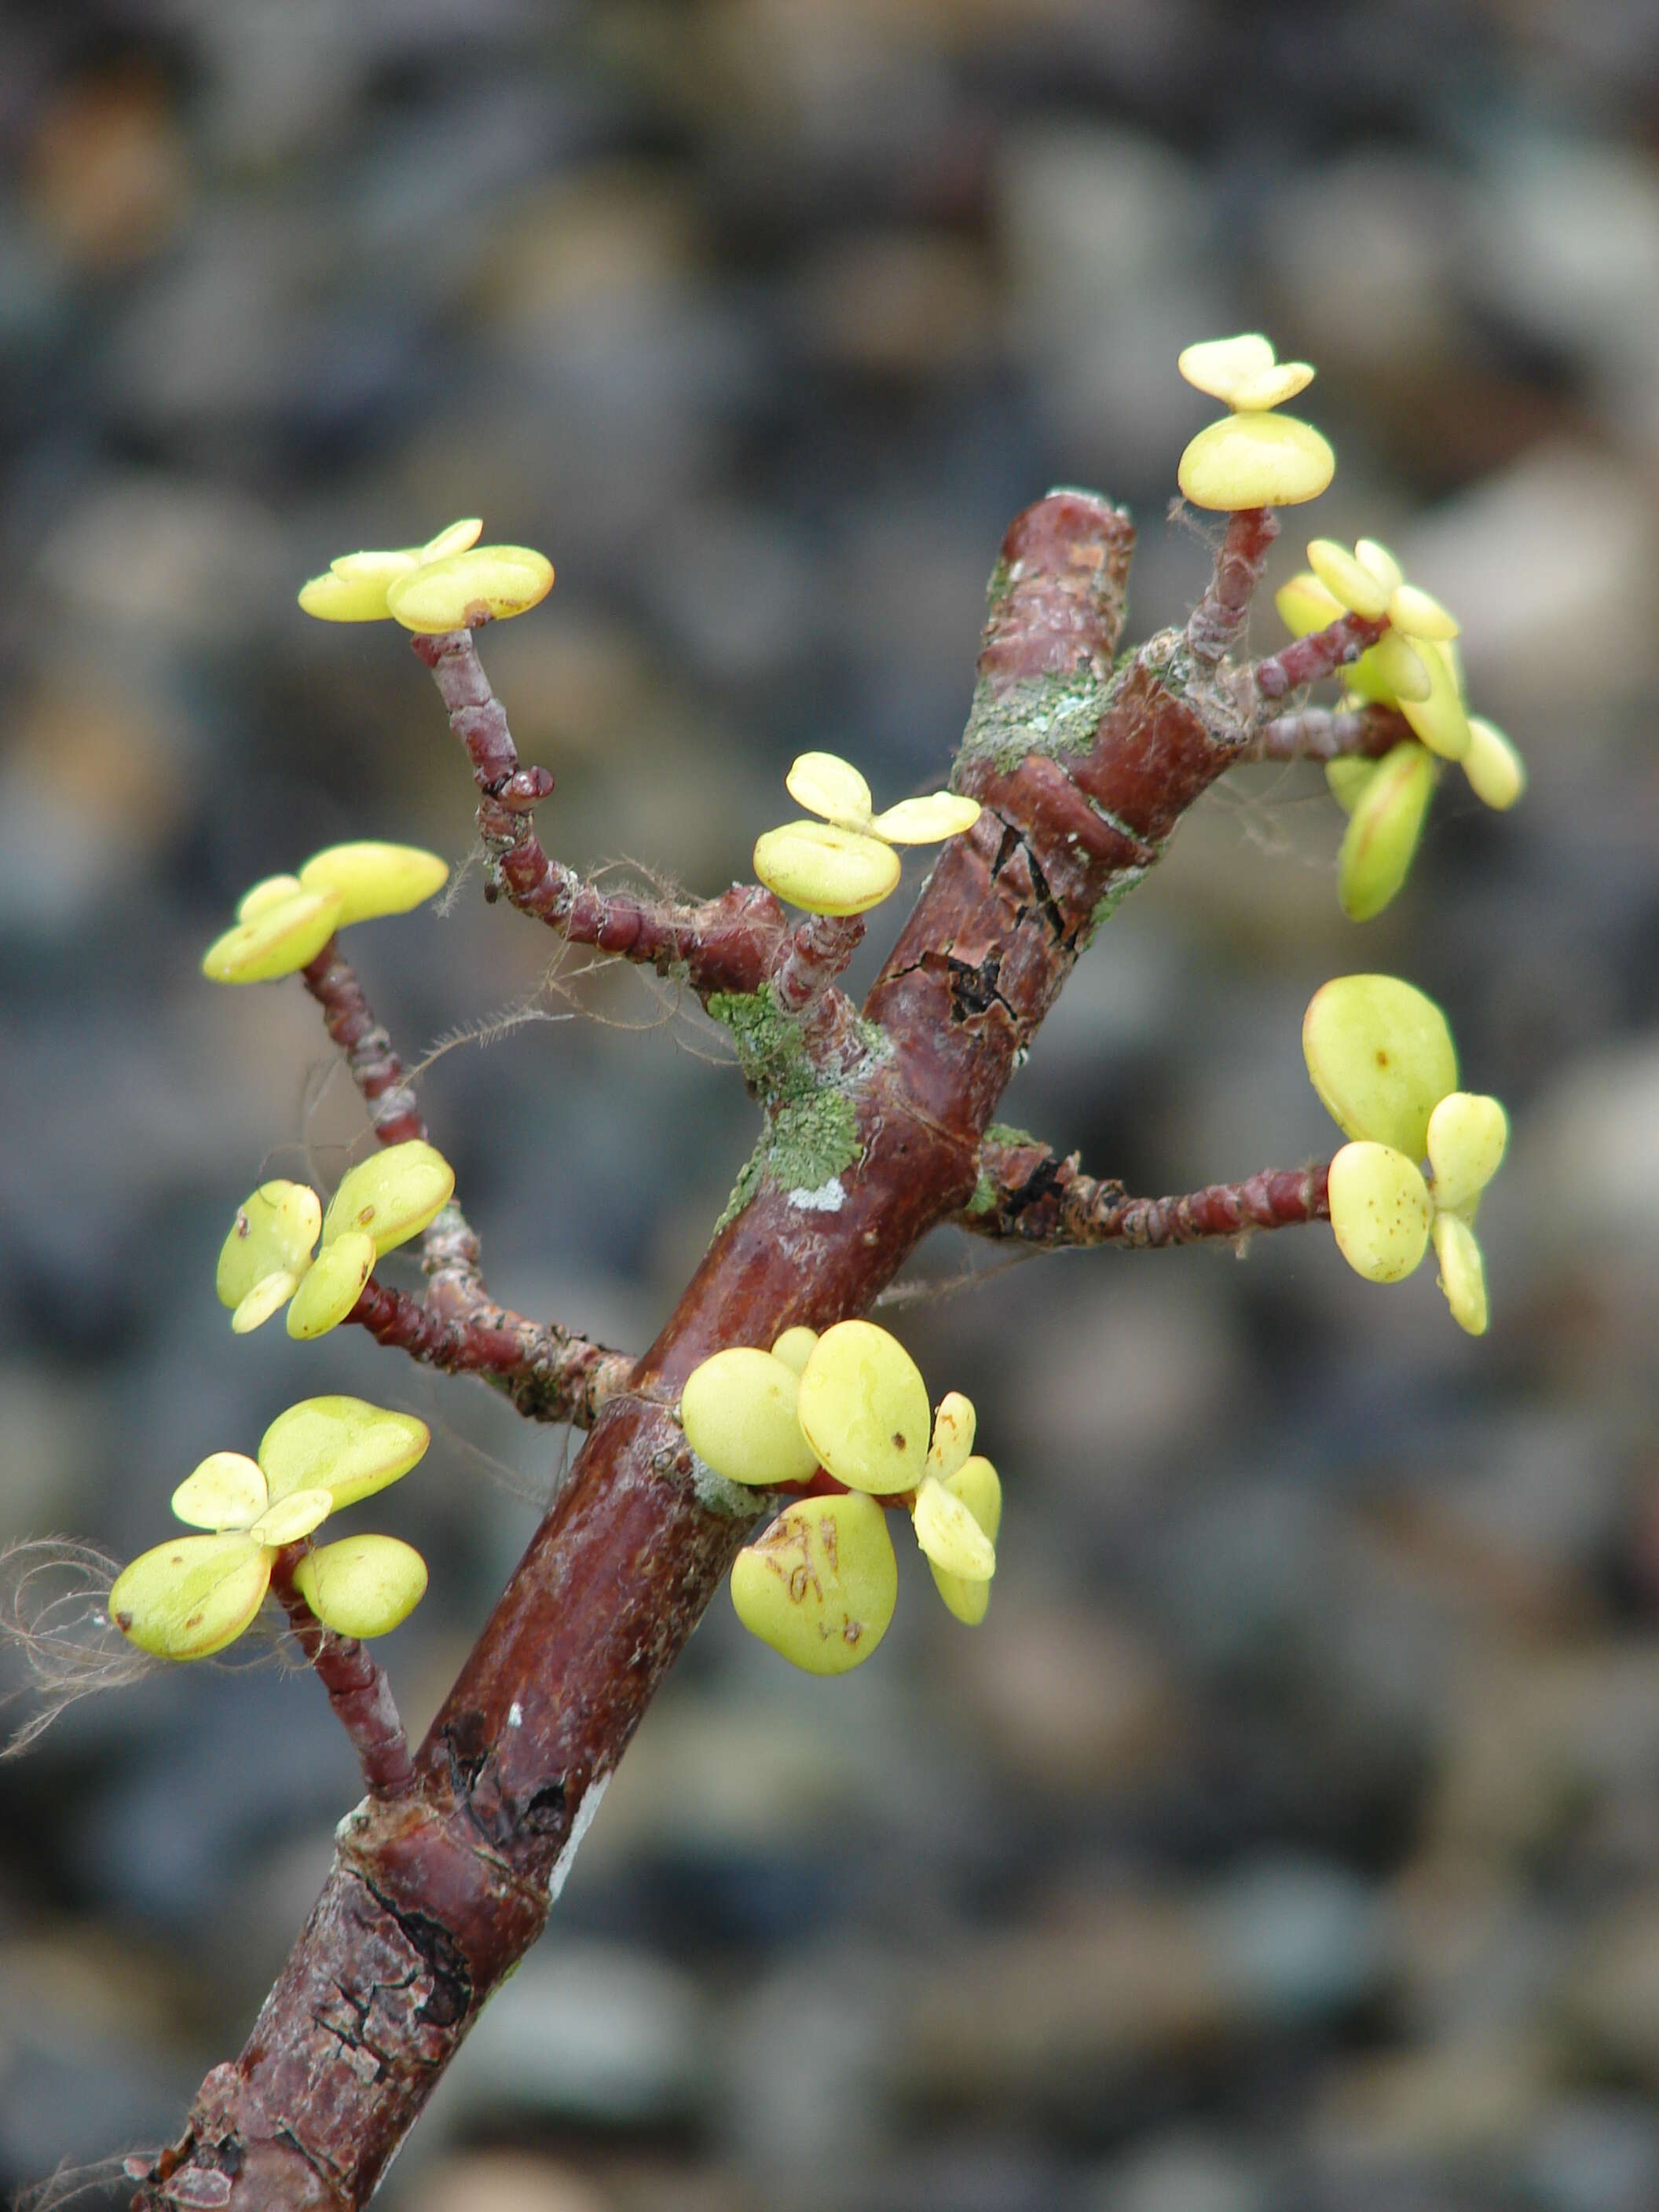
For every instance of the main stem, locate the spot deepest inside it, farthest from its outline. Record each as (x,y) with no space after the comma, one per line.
(435,1896)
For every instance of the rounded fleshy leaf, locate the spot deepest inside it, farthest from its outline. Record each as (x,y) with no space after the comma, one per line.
(1347,778)
(1255,461)
(1380,839)
(826,784)
(333,1285)
(343,1445)
(928,821)
(1381,563)
(292,1518)
(864,1407)
(271,1293)
(370,878)
(270,891)
(1380,1211)
(950,1536)
(977,1484)
(1496,773)
(363,1585)
(1440,720)
(1468,1136)
(392,1195)
(739,1410)
(1272,387)
(274,1230)
(794,1347)
(1219,366)
(1348,579)
(826,870)
(1401,669)
(459,537)
(280,940)
(489,583)
(1462,1273)
(353,596)
(1304,605)
(820,1583)
(1381,1058)
(385,565)
(1420,614)
(954,1423)
(190,1598)
(226,1491)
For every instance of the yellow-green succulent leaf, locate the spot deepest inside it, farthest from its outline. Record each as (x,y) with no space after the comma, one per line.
(371,879)
(1400,670)
(1348,579)
(928,821)
(226,1491)
(383,566)
(1380,562)
(459,537)
(977,1484)
(1218,366)
(1495,771)
(738,1411)
(280,940)
(1255,461)
(1440,720)
(274,1231)
(950,1536)
(826,870)
(1365,683)
(268,891)
(864,1407)
(1304,605)
(1271,387)
(820,1583)
(1380,1211)
(1468,1136)
(267,1296)
(333,1285)
(488,583)
(794,1347)
(190,1598)
(1462,1273)
(343,1445)
(1420,614)
(1347,778)
(349,597)
(393,1194)
(826,784)
(1384,829)
(292,1518)
(1381,1057)
(362,1585)
(954,1423)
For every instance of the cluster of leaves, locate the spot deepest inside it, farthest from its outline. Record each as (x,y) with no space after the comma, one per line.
(843,1417)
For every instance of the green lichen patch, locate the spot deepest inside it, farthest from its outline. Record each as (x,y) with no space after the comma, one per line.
(811,1132)
(1005,1134)
(984,1198)
(1053,714)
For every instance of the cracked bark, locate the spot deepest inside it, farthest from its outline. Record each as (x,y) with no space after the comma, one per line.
(435,1895)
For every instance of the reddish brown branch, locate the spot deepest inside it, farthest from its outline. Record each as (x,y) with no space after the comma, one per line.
(1024,1191)
(725,943)
(549,1373)
(1324,733)
(1319,654)
(359,1695)
(375,1067)
(1217,622)
(1083,774)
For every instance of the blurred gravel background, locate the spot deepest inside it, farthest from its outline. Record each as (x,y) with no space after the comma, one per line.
(1288,1838)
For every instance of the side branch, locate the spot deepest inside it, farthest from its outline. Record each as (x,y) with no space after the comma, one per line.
(1025,1192)
(1320,653)
(375,1068)
(358,1692)
(1324,733)
(722,945)
(1217,622)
